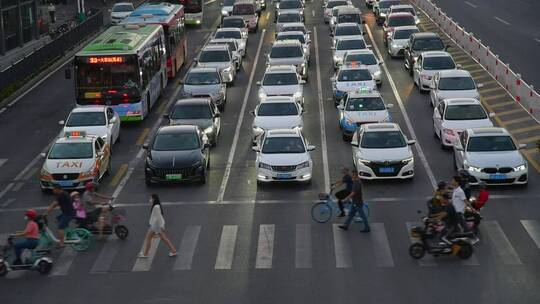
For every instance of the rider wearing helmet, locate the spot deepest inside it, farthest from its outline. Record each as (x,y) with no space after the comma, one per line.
(29,236)
(94,205)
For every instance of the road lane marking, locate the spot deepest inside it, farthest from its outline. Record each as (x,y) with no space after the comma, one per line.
(476,71)
(31,173)
(427,260)
(419,149)
(502,104)
(518,120)
(487,90)
(186,251)
(9,202)
(502,21)
(227,244)
(209,2)
(232,151)
(144,264)
(342,248)
(500,243)
(524,130)
(63,264)
(312,13)
(487,98)
(510,112)
(3,161)
(265,247)
(322,124)
(17,187)
(106,255)
(537,40)
(381,247)
(142,137)
(119,174)
(302,257)
(533,229)
(529,140)
(6,189)
(470,4)
(468,66)
(530,154)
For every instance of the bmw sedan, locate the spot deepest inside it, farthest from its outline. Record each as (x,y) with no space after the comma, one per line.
(453,84)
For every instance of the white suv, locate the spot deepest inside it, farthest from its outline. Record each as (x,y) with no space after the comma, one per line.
(283,155)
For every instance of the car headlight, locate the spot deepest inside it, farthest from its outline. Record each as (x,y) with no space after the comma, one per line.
(348,123)
(407,160)
(303,165)
(224,13)
(297,95)
(197,164)
(364,161)
(209,130)
(417,21)
(44,172)
(383,14)
(262,94)
(257,130)
(337,59)
(449,132)
(394,45)
(472,168)
(89,173)
(298,127)
(415,58)
(520,168)
(227,70)
(377,74)
(265,166)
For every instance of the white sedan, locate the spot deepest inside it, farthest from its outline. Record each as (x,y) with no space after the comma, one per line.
(276,112)
(344,45)
(428,64)
(367,58)
(350,79)
(452,116)
(381,151)
(453,84)
(102,121)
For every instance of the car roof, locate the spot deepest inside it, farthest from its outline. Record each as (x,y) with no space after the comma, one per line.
(123,3)
(202,70)
(347,67)
(488,131)
(228,29)
(232,17)
(244,2)
(277,99)
(283,133)
(88,138)
(223,40)
(360,52)
(345,24)
(364,94)
(214,47)
(286,42)
(353,37)
(454,73)
(425,35)
(400,14)
(461,101)
(192,101)
(281,69)
(349,9)
(436,54)
(92,108)
(406,27)
(381,127)
(291,24)
(177,129)
(290,33)
(402,6)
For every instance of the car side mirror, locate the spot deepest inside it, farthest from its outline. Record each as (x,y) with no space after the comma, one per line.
(145,146)
(302,81)
(67,73)
(354,143)
(381,62)
(217,115)
(255,148)
(100,154)
(252,112)
(206,145)
(341,107)
(411,142)
(491,114)
(458,66)
(259,83)
(390,105)
(61,122)
(333,48)
(368,45)
(166,116)
(364,33)
(310,148)
(459,147)
(446,47)
(43,154)
(332,78)
(113,120)
(522,146)
(480,85)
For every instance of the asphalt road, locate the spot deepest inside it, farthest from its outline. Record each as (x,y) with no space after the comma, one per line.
(510,28)
(240,243)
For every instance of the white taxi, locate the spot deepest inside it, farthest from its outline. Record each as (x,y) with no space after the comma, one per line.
(350,78)
(74,160)
(102,121)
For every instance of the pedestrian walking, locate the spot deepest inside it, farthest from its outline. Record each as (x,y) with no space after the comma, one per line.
(157,228)
(52,10)
(357,203)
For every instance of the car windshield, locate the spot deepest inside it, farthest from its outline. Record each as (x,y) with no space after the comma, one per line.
(438,63)
(401,21)
(355,75)
(122,8)
(298,37)
(464,112)
(202,78)
(383,140)
(228,34)
(365,104)
(232,45)
(282,18)
(243,9)
(86,119)
(356,44)
(277,109)
(366,59)
(490,144)
(387,4)
(280,79)
(348,31)
(428,44)
(192,112)
(228,2)
(404,10)
(290,4)
(291,144)
(354,18)
(286,52)
(71,151)
(333,4)
(214,56)
(176,142)
(456,83)
(233,22)
(293,28)
(404,34)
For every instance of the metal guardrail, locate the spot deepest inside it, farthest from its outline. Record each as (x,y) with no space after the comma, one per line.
(522,92)
(34,62)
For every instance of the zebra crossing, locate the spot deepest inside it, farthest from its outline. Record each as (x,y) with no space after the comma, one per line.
(307,239)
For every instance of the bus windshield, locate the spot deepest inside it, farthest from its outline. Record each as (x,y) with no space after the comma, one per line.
(96,76)
(192,6)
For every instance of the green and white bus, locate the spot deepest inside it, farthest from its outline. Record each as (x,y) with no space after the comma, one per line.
(125,67)
(193,11)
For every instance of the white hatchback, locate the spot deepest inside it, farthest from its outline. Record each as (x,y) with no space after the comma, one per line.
(276,112)
(283,155)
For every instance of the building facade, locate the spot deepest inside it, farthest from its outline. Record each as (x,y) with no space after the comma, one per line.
(20,23)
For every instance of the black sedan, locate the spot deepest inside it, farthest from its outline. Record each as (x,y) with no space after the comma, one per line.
(177,154)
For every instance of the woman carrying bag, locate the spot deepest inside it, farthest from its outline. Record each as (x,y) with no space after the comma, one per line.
(157,228)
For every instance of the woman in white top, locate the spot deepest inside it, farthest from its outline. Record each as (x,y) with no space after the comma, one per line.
(157,228)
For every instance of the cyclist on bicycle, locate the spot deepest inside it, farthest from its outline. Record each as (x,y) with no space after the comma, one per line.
(62,201)
(95,205)
(342,194)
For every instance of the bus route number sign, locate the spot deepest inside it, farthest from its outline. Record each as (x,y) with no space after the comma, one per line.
(110,59)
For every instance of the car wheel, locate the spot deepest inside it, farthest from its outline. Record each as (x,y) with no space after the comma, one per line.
(345,138)
(202,178)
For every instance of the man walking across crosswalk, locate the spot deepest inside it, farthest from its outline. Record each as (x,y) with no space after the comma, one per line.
(357,203)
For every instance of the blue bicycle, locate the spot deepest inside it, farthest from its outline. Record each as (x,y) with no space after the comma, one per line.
(327,205)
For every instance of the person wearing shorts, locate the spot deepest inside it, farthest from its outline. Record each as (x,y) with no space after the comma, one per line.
(67,213)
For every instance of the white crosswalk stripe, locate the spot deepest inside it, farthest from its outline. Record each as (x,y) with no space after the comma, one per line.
(533,229)
(265,247)
(63,264)
(342,248)
(144,264)
(381,247)
(427,260)
(187,248)
(3,161)
(303,246)
(106,256)
(227,245)
(501,244)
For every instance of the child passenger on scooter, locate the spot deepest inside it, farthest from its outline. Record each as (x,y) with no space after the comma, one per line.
(30,236)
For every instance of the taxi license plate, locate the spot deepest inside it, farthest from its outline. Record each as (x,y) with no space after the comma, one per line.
(497,176)
(284,175)
(173,177)
(386,170)
(65,183)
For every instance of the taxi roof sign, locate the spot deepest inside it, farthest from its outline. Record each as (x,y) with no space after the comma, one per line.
(75,134)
